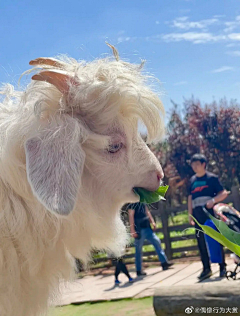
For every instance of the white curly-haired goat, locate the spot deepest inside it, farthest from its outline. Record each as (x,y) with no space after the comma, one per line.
(70,155)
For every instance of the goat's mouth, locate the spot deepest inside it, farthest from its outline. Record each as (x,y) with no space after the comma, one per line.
(148,197)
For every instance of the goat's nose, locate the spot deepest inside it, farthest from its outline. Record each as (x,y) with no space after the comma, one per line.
(157,176)
(160,175)
(153,179)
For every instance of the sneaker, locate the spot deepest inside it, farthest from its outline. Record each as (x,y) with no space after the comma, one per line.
(131,280)
(117,282)
(205,274)
(222,273)
(166,265)
(141,273)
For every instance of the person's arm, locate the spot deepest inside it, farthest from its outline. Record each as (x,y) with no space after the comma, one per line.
(150,217)
(218,198)
(191,221)
(220,192)
(132,224)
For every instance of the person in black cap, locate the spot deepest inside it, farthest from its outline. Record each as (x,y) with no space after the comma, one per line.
(204,190)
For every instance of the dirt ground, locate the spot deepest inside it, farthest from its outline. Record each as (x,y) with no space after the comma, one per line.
(131,267)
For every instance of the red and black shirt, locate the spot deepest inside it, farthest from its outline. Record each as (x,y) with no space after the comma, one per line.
(202,189)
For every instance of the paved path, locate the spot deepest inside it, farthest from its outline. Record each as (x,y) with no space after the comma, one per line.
(101,288)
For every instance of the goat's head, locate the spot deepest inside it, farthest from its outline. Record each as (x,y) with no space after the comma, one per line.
(87,145)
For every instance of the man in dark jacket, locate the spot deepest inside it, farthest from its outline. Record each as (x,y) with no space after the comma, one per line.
(205,190)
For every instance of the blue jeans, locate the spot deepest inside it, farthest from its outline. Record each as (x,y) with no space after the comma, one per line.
(147,233)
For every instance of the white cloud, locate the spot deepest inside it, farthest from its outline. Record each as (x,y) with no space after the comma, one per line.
(232,25)
(232,45)
(222,69)
(180,83)
(184,11)
(124,39)
(203,33)
(185,32)
(121,32)
(234,53)
(234,36)
(182,18)
(218,16)
(183,23)
(195,37)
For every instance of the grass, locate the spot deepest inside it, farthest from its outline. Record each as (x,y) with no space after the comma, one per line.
(181,218)
(129,307)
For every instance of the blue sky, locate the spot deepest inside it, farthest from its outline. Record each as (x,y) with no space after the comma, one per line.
(191,46)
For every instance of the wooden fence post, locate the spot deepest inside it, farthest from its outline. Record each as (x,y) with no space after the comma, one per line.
(236,197)
(166,233)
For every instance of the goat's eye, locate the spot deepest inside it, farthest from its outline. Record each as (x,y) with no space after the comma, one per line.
(114,148)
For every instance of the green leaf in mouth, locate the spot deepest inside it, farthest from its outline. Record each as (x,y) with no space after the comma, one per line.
(149,197)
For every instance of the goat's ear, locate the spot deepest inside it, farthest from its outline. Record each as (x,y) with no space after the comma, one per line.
(54,162)
(59,79)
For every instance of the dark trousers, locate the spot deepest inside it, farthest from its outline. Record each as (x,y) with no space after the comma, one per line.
(120,267)
(204,252)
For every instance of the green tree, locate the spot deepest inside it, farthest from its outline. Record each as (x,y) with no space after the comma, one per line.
(212,129)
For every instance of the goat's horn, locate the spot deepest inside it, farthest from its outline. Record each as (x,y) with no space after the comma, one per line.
(115,52)
(58,79)
(142,64)
(46,61)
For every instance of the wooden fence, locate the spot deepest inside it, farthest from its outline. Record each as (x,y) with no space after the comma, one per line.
(163,213)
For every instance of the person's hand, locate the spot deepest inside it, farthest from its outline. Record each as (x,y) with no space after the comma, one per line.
(135,235)
(191,221)
(154,226)
(210,204)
